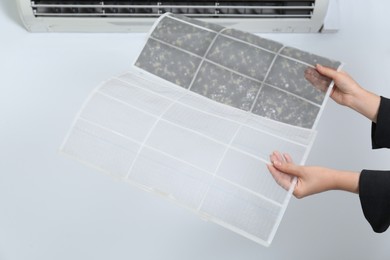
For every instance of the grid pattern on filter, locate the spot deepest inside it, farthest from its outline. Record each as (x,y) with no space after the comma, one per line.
(285,142)
(235,68)
(178,142)
(238,129)
(242,122)
(227,145)
(199,184)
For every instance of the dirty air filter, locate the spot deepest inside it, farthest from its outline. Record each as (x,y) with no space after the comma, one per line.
(196,118)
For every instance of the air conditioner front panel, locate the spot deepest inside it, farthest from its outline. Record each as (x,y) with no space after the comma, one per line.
(138,16)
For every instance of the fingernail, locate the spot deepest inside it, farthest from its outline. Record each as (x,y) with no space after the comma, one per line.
(276,162)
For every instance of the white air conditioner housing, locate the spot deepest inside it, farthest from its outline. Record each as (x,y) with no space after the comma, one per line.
(138,16)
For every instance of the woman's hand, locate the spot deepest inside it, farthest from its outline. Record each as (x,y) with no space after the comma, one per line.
(310,180)
(346,91)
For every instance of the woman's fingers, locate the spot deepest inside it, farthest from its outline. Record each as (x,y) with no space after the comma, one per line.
(276,157)
(278,160)
(287,157)
(284,164)
(319,81)
(281,178)
(326,71)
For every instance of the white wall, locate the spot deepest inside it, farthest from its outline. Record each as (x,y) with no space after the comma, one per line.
(52,207)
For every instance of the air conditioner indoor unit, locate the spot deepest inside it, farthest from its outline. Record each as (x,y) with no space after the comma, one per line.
(138,16)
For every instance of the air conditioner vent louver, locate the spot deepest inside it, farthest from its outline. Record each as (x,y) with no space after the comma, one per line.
(138,15)
(199,9)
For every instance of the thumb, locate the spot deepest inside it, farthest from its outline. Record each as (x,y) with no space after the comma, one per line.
(288,168)
(326,71)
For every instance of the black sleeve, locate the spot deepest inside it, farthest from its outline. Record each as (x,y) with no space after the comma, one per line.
(374,186)
(374,193)
(380,131)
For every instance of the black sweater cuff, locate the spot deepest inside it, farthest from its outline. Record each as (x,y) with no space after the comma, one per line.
(374,193)
(380,131)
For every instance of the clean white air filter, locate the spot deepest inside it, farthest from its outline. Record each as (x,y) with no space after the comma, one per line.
(196,118)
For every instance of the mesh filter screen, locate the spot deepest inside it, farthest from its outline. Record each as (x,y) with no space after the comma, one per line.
(196,119)
(235,68)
